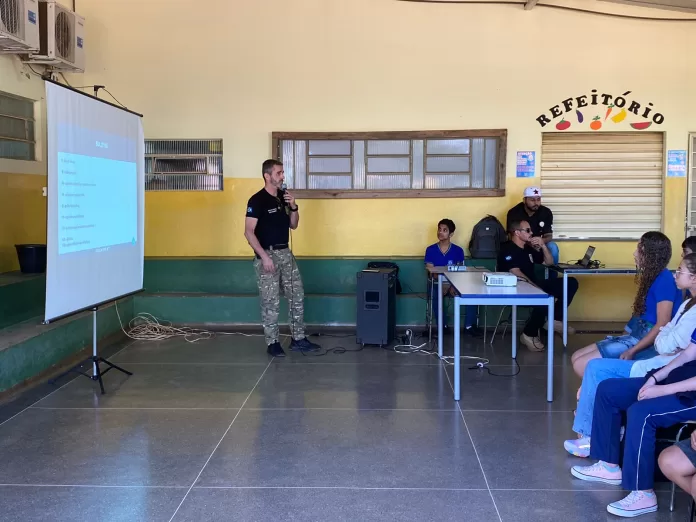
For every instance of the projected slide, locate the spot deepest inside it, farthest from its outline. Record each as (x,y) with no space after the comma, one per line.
(98,202)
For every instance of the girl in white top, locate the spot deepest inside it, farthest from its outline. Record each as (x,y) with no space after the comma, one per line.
(673,338)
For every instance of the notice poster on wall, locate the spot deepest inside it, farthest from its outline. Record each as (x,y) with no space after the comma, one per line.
(676,163)
(526,163)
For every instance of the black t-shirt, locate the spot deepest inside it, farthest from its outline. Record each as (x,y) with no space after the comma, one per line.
(541,222)
(273,227)
(511,256)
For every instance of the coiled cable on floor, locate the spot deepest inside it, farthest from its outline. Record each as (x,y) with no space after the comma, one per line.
(146,327)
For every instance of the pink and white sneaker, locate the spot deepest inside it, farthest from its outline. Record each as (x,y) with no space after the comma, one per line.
(599,472)
(578,447)
(635,504)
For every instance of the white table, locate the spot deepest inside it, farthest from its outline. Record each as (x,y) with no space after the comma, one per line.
(472,290)
(566,271)
(439,271)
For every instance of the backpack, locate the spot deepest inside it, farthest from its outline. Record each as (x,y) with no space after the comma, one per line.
(387,264)
(486,238)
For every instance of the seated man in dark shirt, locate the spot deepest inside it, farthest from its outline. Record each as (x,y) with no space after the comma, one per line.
(519,257)
(539,217)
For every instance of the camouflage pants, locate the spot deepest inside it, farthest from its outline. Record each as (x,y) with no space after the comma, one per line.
(286,279)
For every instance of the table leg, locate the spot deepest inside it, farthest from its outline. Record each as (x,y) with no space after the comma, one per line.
(514,331)
(440,318)
(457,335)
(429,306)
(549,347)
(565,310)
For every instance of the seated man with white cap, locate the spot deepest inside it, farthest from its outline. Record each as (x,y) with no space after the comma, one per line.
(539,217)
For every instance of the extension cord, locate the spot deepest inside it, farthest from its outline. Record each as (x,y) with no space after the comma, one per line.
(146,327)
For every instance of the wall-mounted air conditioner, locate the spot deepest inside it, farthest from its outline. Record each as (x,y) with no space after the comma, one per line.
(19,26)
(62,38)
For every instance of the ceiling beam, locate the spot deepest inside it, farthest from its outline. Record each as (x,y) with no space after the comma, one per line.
(529,4)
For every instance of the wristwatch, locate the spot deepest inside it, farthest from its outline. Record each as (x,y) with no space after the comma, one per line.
(297,207)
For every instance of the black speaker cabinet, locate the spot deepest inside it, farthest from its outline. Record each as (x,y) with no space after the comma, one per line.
(376,302)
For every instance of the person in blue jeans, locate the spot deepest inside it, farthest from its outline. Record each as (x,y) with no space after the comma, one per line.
(672,339)
(662,399)
(654,305)
(445,253)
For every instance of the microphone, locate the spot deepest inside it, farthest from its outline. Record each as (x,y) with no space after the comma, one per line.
(281,194)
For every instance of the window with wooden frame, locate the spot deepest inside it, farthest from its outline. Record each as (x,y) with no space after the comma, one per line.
(399,164)
(17,137)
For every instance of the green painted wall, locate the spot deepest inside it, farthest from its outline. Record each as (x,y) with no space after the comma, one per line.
(21,298)
(54,343)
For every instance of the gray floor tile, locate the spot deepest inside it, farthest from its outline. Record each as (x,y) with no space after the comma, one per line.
(219,349)
(346,351)
(109,447)
(360,386)
(70,504)
(525,450)
(326,448)
(162,386)
(578,506)
(525,391)
(336,505)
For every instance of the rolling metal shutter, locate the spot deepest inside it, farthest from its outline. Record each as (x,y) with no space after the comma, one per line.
(603,185)
(691,204)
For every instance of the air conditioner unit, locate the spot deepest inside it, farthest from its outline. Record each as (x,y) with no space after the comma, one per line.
(62,38)
(19,26)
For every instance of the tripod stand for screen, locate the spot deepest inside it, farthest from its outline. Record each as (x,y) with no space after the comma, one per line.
(95,359)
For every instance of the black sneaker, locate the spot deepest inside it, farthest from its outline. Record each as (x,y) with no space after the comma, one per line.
(304,345)
(474,331)
(276,350)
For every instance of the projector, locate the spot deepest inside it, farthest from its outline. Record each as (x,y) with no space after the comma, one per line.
(456,268)
(499,279)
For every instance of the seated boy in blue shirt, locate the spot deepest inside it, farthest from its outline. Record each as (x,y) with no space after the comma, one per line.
(445,253)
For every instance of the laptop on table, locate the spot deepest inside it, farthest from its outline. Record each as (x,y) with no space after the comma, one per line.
(582,263)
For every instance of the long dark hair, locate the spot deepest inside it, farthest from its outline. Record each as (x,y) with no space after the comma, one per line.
(690,262)
(655,252)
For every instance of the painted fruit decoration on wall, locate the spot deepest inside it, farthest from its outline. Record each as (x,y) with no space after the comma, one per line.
(601,112)
(563,125)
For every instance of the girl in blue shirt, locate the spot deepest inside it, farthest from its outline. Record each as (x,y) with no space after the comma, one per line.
(655,304)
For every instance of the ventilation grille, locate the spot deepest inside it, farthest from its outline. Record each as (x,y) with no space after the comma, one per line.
(10,17)
(183,165)
(64,35)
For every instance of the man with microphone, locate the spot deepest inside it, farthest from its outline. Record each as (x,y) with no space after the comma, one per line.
(270,215)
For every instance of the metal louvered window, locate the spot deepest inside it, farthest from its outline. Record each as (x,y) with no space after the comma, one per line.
(691,204)
(183,165)
(17,137)
(393,164)
(603,185)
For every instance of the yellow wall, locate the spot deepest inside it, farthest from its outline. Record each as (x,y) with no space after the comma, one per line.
(239,70)
(22,205)
(22,214)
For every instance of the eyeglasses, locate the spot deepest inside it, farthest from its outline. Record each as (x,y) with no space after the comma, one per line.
(527,230)
(686,272)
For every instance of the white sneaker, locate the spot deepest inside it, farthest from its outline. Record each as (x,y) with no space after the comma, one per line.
(598,472)
(635,504)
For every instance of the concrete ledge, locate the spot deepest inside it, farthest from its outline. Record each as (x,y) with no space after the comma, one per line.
(30,349)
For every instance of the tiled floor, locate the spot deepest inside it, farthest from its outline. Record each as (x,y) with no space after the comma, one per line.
(218,430)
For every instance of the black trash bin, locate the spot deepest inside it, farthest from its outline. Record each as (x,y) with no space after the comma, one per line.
(32,258)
